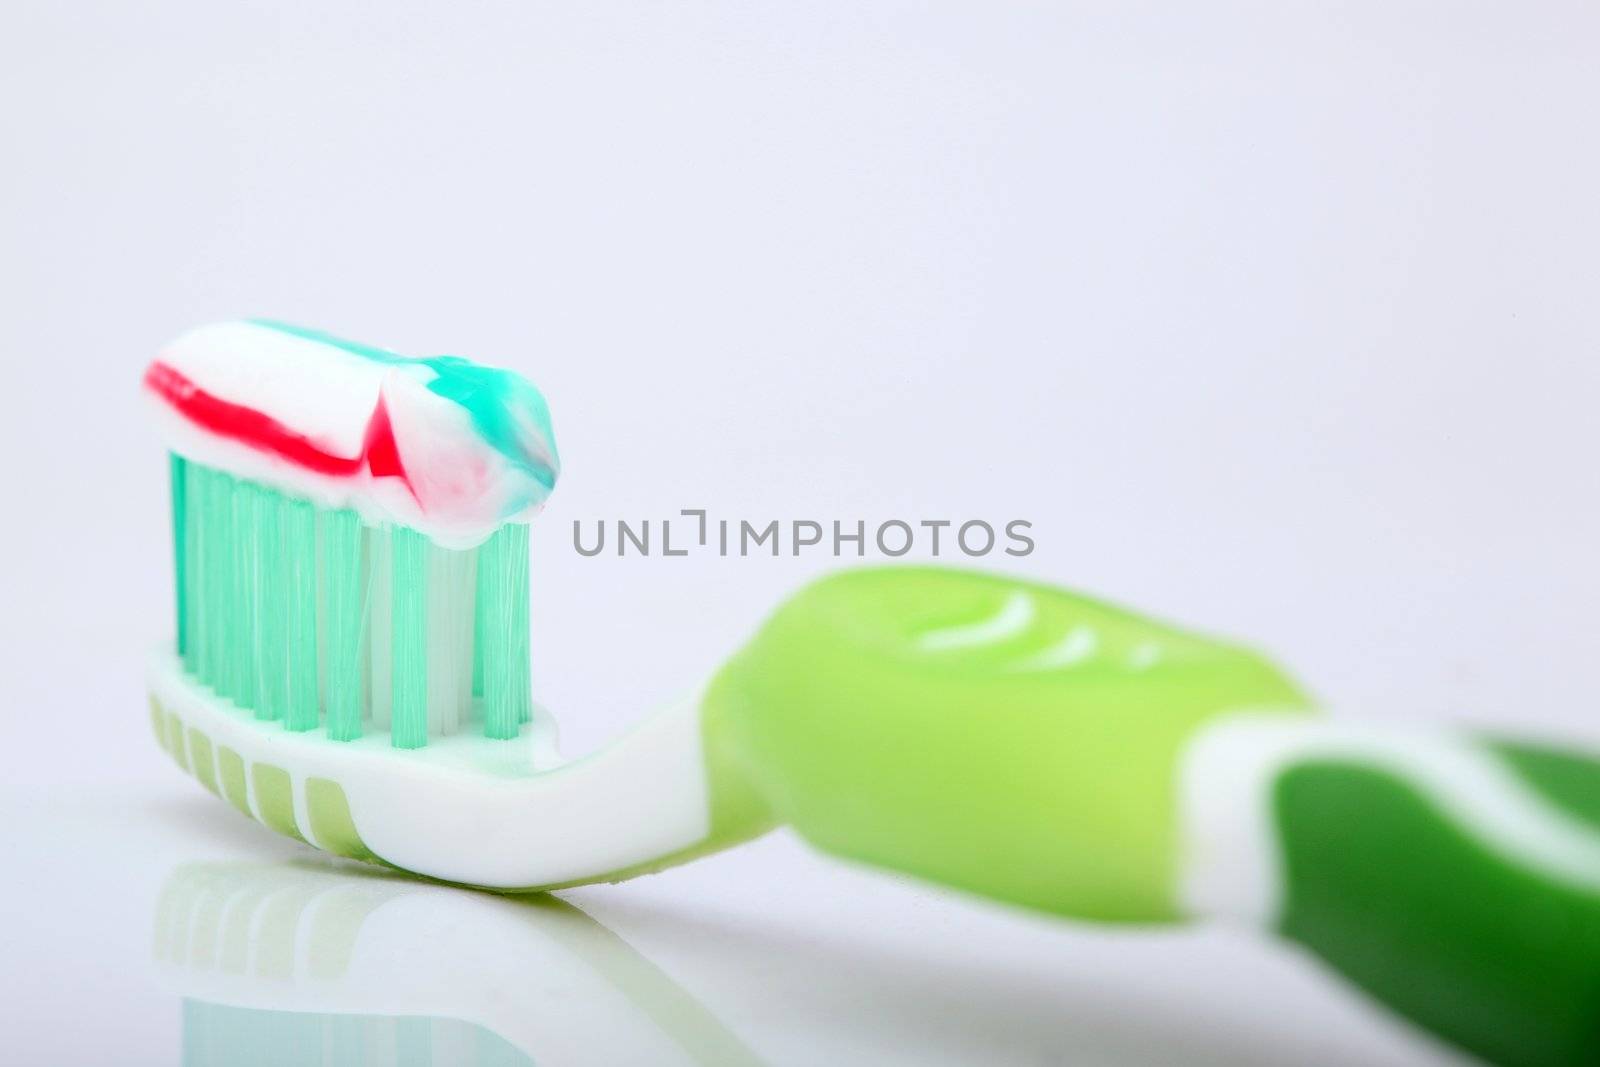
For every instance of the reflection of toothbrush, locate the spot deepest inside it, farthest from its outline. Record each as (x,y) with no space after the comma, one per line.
(1003,738)
(299,964)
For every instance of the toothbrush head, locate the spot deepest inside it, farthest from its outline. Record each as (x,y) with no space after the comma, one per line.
(351,668)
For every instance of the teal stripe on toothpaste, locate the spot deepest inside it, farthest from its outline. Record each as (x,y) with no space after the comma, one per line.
(509,414)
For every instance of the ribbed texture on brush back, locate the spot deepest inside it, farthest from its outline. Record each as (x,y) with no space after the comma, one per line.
(308,616)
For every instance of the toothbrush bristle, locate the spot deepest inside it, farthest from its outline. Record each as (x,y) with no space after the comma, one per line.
(307,615)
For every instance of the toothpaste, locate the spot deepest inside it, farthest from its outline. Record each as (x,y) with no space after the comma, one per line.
(439,444)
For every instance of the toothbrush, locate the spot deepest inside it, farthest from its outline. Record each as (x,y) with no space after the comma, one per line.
(351,670)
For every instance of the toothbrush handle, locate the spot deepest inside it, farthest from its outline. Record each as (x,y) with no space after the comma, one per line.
(1458,883)
(1040,748)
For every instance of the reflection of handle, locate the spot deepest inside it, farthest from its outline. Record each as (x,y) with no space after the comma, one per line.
(1458,883)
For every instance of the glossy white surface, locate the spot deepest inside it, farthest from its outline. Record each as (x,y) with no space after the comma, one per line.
(773,950)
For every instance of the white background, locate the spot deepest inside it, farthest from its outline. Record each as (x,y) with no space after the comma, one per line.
(1279,320)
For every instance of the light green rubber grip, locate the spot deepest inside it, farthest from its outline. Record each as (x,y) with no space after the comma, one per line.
(921,719)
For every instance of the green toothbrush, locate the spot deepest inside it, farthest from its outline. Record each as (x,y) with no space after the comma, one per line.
(351,670)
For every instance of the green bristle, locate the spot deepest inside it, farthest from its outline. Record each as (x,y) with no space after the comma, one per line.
(194,477)
(503,631)
(217,551)
(225,589)
(477,624)
(378,633)
(521,679)
(204,576)
(272,604)
(305,615)
(199,574)
(342,568)
(301,710)
(176,469)
(246,504)
(451,592)
(408,649)
(489,648)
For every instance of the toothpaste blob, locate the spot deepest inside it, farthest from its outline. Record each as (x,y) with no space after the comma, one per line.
(444,446)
